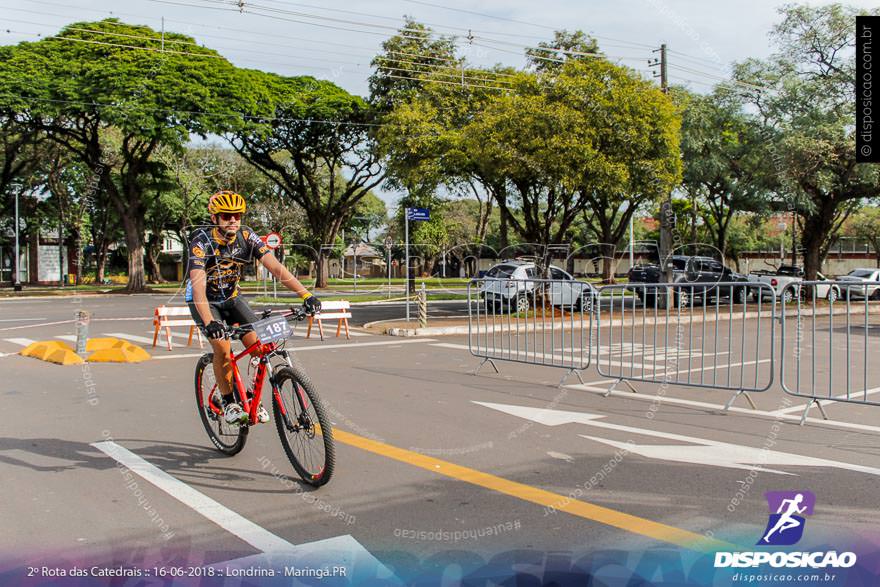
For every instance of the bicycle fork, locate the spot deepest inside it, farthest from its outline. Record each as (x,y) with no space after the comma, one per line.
(303,400)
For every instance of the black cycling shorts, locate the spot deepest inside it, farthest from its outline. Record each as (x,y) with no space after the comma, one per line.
(232,311)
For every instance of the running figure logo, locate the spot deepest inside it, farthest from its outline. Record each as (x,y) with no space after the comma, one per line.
(786,526)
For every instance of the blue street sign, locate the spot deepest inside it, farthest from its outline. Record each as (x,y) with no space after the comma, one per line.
(418,214)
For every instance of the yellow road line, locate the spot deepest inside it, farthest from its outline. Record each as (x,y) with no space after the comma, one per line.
(561,503)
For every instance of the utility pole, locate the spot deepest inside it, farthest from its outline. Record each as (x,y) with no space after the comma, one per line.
(163,33)
(17,282)
(667,215)
(662,63)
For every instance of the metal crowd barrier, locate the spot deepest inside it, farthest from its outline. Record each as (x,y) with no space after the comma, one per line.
(710,335)
(534,321)
(829,333)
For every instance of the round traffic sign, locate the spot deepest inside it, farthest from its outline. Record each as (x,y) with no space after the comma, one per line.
(273,240)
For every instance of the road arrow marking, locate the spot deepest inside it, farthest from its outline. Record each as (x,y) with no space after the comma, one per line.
(698,451)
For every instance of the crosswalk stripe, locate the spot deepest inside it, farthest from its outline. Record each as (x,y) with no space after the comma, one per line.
(67,337)
(132,337)
(20,341)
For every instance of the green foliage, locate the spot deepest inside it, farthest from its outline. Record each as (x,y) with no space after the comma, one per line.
(809,119)
(404,59)
(726,165)
(549,57)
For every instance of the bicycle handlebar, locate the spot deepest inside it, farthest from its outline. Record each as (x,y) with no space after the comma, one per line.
(292,315)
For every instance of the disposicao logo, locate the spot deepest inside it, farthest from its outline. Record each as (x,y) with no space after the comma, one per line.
(787,510)
(785,527)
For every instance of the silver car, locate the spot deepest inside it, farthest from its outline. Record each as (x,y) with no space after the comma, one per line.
(512,284)
(865,284)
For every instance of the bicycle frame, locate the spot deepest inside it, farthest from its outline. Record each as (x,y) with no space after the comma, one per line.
(251,405)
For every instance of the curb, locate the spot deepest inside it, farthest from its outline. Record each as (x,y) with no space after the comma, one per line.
(565,325)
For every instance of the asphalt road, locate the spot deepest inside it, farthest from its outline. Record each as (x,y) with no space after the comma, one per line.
(431,459)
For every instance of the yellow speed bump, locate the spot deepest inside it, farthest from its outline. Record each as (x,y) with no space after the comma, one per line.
(101,343)
(115,350)
(53,351)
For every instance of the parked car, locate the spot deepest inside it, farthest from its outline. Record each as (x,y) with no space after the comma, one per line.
(512,284)
(690,271)
(866,284)
(780,279)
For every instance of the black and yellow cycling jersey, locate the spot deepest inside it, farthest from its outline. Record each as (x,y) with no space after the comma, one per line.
(222,261)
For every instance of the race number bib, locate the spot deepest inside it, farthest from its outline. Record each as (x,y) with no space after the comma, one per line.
(272,329)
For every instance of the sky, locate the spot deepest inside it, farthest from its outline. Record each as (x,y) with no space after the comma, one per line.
(336,40)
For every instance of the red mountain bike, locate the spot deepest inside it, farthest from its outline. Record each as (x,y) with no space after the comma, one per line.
(305,430)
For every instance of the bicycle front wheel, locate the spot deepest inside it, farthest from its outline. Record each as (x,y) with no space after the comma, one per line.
(305,430)
(229,439)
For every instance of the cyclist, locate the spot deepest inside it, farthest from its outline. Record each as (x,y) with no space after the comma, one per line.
(217,255)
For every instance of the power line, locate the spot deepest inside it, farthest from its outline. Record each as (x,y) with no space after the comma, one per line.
(440,66)
(720,78)
(172,52)
(631,44)
(469,76)
(224,37)
(199,25)
(191,43)
(260,10)
(696,59)
(432,73)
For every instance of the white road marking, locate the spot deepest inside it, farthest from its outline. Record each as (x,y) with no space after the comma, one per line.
(139,318)
(133,337)
(274,549)
(827,401)
(20,341)
(321,347)
(706,405)
(775,415)
(21,319)
(67,337)
(699,451)
(37,325)
(650,372)
(570,357)
(255,535)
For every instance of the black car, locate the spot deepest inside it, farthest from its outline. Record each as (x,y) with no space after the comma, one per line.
(692,277)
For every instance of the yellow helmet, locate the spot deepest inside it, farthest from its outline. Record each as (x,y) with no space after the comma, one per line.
(228,202)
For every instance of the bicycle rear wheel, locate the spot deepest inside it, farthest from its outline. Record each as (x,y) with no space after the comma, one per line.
(305,430)
(228,439)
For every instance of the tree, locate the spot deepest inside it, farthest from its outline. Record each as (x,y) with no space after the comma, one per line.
(591,135)
(314,142)
(110,94)
(405,58)
(370,213)
(809,117)
(724,161)
(65,178)
(631,133)
(865,224)
(20,144)
(566,45)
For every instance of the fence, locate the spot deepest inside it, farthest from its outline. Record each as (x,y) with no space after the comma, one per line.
(828,335)
(702,335)
(717,335)
(692,334)
(535,321)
